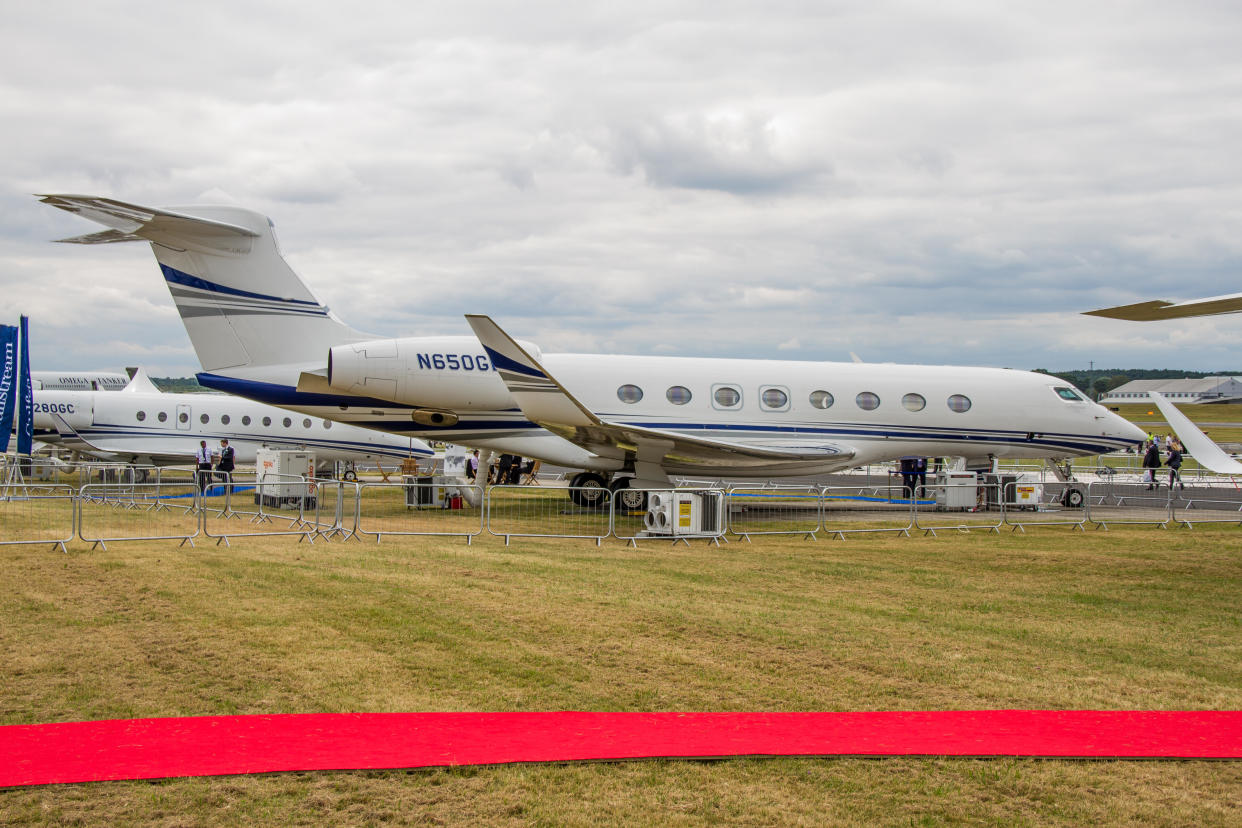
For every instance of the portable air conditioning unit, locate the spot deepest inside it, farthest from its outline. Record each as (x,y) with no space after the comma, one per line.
(683,513)
(283,479)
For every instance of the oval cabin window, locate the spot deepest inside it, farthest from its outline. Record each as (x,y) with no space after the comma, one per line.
(141,415)
(267,421)
(727,396)
(959,403)
(287,422)
(678,395)
(246,420)
(914,402)
(821,399)
(868,401)
(204,419)
(162,416)
(629,393)
(225,419)
(774,398)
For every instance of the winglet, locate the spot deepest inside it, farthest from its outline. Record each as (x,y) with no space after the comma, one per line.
(1199,445)
(542,399)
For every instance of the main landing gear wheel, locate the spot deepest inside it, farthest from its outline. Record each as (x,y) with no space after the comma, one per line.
(349,476)
(1074,498)
(587,490)
(626,500)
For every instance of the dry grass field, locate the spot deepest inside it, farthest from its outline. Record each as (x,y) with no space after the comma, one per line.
(1126,619)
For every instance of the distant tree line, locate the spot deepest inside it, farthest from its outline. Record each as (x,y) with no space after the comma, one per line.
(1098,382)
(177,385)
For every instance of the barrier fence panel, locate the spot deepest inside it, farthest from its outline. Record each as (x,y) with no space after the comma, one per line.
(37,514)
(139,511)
(335,514)
(397,509)
(243,509)
(961,508)
(1206,501)
(546,512)
(870,508)
(668,514)
(787,510)
(1048,503)
(1110,503)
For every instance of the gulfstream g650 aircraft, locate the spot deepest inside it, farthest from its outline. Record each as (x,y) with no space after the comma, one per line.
(260,333)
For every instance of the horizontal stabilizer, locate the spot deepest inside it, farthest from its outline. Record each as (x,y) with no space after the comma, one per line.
(102,237)
(166,227)
(1197,444)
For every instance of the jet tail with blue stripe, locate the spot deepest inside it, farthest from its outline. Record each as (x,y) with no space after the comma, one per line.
(246,311)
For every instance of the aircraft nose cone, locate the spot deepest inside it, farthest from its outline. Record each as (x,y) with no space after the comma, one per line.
(1126,430)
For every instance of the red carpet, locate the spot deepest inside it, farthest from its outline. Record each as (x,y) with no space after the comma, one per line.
(215,745)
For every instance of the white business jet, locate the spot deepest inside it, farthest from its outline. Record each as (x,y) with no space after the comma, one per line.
(259,332)
(143,425)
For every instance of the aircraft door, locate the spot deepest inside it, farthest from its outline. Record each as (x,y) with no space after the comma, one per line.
(183,417)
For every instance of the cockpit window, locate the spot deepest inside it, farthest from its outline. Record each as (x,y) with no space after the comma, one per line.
(1067,393)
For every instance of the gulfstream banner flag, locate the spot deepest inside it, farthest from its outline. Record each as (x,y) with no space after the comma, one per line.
(25,393)
(8,382)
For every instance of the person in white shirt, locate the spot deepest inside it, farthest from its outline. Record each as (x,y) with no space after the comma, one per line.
(202,459)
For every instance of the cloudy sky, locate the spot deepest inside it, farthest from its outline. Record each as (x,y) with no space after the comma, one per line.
(946,182)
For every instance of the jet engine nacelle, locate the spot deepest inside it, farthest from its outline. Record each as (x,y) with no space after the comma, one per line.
(434,372)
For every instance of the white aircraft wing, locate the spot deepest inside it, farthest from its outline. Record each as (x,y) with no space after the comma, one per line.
(1159,309)
(545,401)
(1198,444)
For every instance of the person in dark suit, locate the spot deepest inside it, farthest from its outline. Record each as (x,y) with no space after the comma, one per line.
(224,467)
(1151,462)
(502,468)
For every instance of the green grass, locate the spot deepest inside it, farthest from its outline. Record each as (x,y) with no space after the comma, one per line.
(1129,619)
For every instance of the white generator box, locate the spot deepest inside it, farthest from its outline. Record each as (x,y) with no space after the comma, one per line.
(957,490)
(1027,492)
(283,478)
(678,513)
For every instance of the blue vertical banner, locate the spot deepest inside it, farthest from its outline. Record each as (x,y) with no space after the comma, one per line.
(25,392)
(8,382)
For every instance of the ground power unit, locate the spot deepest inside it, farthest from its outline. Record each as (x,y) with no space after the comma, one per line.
(682,514)
(283,479)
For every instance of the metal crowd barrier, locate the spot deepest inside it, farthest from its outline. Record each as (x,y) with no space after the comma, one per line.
(1201,503)
(865,509)
(1128,504)
(244,508)
(987,512)
(537,512)
(787,510)
(106,513)
(1030,503)
(679,515)
(36,514)
(404,509)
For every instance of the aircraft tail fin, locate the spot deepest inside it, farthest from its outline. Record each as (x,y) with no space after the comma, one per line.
(1198,445)
(243,307)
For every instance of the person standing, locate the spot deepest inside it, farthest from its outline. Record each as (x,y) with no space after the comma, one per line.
(1174,462)
(472,465)
(202,460)
(224,468)
(1151,462)
(920,476)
